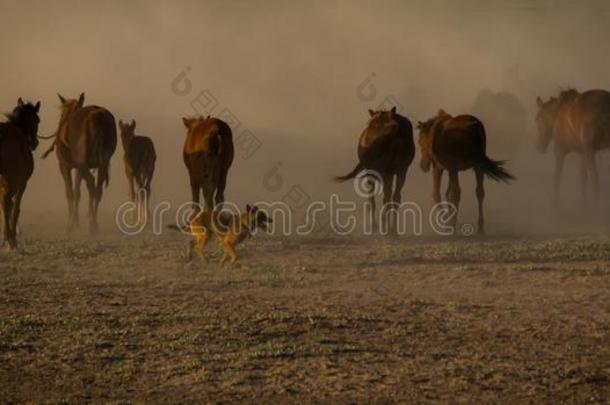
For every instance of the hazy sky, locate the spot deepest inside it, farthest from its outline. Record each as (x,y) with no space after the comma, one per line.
(290,73)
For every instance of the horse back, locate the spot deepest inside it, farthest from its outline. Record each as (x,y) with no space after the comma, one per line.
(459,142)
(16,161)
(90,136)
(141,156)
(211,137)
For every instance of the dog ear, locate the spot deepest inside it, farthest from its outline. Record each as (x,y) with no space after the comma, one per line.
(37,107)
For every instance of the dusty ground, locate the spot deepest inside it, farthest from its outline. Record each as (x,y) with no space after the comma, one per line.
(354,319)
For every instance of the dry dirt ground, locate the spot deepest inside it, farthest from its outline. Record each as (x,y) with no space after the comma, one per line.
(126,319)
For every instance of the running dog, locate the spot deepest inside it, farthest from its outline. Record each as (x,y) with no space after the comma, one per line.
(228,230)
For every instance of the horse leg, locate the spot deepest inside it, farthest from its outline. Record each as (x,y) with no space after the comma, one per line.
(77,182)
(559,160)
(195,193)
(387,197)
(15,215)
(480,196)
(67,176)
(92,191)
(397,197)
(143,192)
(99,190)
(220,190)
(437,176)
(592,168)
(371,206)
(140,199)
(208,197)
(584,177)
(453,194)
(147,189)
(132,193)
(7,202)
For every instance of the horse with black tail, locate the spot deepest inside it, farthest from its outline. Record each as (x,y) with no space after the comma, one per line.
(85,140)
(456,144)
(18,138)
(385,151)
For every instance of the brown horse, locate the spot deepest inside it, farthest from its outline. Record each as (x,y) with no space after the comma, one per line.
(455,144)
(85,140)
(385,151)
(575,122)
(208,154)
(18,138)
(139,161)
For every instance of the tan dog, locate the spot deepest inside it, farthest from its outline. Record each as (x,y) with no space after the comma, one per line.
(228,230)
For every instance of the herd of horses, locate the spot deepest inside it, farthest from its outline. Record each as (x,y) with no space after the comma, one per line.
(86,139)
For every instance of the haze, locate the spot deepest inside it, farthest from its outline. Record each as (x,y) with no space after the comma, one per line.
(290,73)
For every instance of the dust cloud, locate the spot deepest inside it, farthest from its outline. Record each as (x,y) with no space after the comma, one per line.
(300,76)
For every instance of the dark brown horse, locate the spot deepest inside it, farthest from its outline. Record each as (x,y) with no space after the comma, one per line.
(18,138)
(85,140)
(575,122)
(455,144)
(139,158)
(208,154)
(385,150)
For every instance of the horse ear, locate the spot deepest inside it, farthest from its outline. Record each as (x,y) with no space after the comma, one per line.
(248,208)
(371,112)
(37,107)
(20,102)
(120,123)
(441,112)
(393,110)
(63,100)
(133,124)
(81,100)
(186,122)
(539,101)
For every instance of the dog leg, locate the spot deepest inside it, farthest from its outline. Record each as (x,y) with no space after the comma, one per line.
(189,250)
(230,252)
(202,241)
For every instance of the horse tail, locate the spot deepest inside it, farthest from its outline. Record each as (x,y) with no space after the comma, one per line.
(359,167)
(494,170)
(103,175)
(51,149)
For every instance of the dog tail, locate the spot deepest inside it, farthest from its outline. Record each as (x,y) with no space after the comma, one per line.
(179,228)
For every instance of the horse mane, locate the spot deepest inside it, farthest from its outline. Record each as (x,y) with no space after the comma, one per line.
(13,117)
(568,93)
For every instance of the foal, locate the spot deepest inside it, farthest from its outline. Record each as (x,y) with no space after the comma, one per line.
(139,161)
